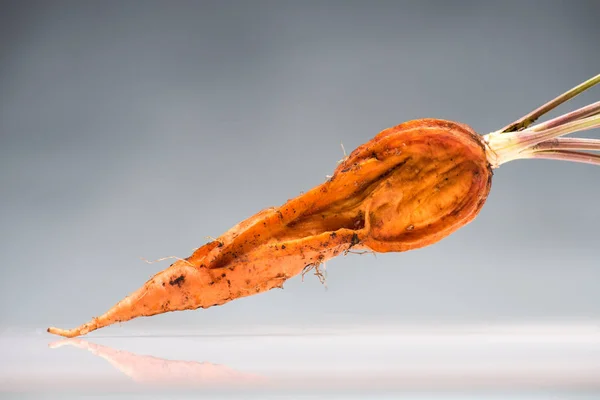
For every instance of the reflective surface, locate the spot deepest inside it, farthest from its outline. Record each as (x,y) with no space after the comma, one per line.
(519,361)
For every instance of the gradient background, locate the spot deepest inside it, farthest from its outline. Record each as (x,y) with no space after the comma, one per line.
(137,128)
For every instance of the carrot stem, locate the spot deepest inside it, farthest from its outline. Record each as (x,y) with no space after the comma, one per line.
(566,155)
(583,112)
(519,140)
(532,137)
(530,118)
(568,144)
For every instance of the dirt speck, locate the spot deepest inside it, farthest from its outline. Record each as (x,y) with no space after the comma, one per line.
(177,281)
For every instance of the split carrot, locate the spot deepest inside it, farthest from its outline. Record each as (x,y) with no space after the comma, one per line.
(409,187)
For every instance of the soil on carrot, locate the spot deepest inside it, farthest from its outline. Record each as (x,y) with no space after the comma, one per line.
(409,187)
(177,281)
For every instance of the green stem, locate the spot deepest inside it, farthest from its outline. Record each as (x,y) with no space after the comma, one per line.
(530,118)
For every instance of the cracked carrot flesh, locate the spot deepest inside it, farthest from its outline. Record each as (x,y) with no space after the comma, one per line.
(408,187)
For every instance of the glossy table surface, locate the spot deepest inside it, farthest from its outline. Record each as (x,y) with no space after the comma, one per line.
(481,361)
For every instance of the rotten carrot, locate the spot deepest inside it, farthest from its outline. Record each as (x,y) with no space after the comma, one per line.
(408,187)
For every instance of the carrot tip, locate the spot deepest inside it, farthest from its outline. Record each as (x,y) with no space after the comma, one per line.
(56,331)
(68,333)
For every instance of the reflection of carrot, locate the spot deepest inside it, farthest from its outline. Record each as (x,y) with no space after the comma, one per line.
(408,187)
(158,371)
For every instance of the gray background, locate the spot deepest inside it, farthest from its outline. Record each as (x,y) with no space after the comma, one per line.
(137,128)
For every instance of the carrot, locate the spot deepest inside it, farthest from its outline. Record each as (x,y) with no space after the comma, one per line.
(409,187)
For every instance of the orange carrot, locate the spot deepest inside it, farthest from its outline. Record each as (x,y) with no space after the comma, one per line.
(408,187)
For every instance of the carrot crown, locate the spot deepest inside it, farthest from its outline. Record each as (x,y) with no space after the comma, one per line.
(522,140)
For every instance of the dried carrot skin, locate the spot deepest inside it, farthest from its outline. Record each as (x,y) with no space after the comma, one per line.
(408,187)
